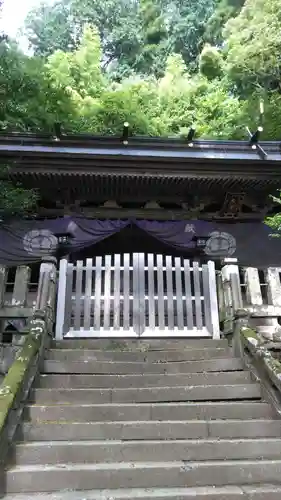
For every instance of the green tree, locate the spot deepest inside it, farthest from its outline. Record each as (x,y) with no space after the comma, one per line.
(137,36)
(14,199)
(59,27)
(152,54)
(28,103)
(50,27)
(78,75)
(210,62)
(253,46)
(225,10)
(186,23)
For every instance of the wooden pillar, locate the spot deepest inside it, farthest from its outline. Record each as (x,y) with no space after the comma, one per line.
(19,297)
(253,287)
(232,295)
(267,327)
(46,294)
(272,278)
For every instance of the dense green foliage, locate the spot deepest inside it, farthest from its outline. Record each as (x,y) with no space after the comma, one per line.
(161,65)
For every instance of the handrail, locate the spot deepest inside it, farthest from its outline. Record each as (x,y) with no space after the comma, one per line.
(21,374)
(249,315)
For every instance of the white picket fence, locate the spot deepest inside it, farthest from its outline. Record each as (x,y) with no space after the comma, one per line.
(137,295)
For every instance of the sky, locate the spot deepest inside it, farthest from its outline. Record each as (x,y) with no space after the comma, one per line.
(13,15)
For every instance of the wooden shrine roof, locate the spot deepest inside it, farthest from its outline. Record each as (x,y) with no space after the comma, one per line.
(79,161)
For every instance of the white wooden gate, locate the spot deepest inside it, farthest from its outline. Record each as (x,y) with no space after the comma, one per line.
(137,295)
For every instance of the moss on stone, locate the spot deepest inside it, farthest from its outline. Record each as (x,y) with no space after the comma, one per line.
(113,345)
(15,376)
(273,364)
(248,333)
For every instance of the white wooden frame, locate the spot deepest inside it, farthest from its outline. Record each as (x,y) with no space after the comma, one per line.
(137,295)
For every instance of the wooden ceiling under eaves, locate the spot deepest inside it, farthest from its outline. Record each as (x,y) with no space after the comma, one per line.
(96,169)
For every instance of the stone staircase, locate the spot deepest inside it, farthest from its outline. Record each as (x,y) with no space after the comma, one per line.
(147,420)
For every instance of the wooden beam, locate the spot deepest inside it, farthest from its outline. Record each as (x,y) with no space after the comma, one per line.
(141,213)
(9,312)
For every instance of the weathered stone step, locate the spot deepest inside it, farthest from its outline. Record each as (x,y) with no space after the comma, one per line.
(87,381)
(157,411)
(146,395)
(87,452)
(63,431)
(46,478)
(142,345)
(254,492)
(107,367)
(91,355)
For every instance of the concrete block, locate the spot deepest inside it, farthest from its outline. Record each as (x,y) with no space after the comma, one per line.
(86,381)
(119,368)
(90,452)
(91,355)
(36,478)
(146,395)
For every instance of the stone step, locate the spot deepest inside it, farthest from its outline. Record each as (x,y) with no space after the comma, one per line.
(193,429)
(89,452)
(124,381)
(90,355)
(252,492)
(48,478)
(157,411)
(142,345)
(119,368)
(146,395)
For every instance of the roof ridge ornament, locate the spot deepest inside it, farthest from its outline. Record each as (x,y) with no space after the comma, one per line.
(255,137)
(125,135)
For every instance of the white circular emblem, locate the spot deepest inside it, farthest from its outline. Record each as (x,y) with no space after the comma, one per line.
(220,244)
(40,242)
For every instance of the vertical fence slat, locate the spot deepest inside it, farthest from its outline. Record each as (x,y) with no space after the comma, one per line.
(107,293)
(236,288)
(21,285)
(253,289)
(197,296)
(160,292)
(68,298)
(78,295)
(136,302)
(151,291)
(228,316)
(61,299)
(97,307)
(116,302)
(206,294)
(188,294)
(220,293)
(273,286)
(3,281)
(179,293)
(213,300)
(142,317)
(170,294)
(88,294)
(126,292)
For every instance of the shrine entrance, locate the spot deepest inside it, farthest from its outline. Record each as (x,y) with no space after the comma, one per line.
(137,295)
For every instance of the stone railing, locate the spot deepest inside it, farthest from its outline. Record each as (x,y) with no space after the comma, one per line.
(257,293)
(250,307)
(16,310)
(23,370)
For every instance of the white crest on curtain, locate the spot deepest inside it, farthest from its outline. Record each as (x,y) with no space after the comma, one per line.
(220,244)
(40,242)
